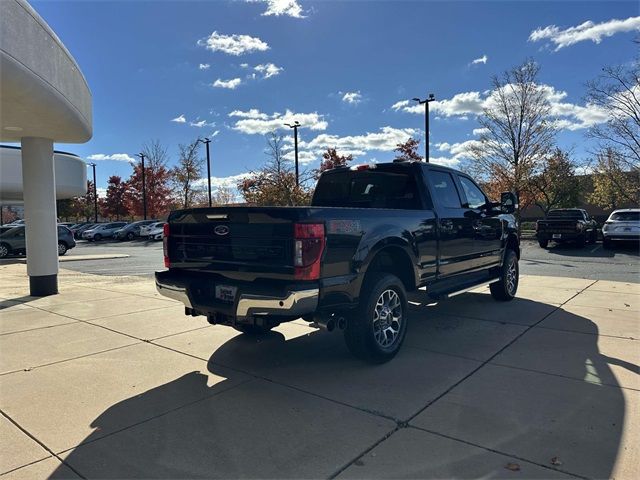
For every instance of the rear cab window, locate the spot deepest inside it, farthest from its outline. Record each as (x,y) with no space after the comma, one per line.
(370,188)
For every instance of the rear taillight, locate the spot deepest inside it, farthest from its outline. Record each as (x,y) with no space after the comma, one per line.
(307,250)
(165,245)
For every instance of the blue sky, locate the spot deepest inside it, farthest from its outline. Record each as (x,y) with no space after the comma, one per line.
(236,69)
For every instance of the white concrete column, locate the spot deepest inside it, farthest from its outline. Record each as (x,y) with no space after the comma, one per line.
(38,179)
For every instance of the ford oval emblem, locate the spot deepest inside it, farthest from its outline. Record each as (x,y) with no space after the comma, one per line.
(221,230)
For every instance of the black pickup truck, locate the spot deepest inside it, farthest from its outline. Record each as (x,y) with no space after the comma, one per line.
(371,234)
(567,225)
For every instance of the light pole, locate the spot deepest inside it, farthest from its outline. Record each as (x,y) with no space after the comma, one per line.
(206,141)
(144,188)
(295,126)
(95,194)
(426,102)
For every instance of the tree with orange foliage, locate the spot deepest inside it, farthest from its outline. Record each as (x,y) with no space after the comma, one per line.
(331,159)
(409,150)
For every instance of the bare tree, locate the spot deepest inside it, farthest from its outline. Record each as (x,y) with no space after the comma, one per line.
(187,172)
(517,132)
(617,93)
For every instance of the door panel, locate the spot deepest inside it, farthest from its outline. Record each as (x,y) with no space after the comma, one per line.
(456,229)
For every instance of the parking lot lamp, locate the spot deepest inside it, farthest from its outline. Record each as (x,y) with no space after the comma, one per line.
(426,102)
(144,188)
(95,194)
(206,141)
(295,126)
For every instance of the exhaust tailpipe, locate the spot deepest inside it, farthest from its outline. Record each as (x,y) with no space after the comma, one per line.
(326,323)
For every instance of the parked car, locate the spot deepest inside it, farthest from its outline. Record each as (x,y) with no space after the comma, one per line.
(146,229)
(156,231)
(82,227)
(15,223)
(13,241)
(567,225)
(622,225)
(104,230)
(371,234)
(132,230)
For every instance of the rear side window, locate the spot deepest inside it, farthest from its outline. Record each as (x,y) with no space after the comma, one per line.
(444,189)
(475,197)
(367,189)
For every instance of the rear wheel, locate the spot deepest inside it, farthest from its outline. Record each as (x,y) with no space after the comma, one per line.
(4,250)
(376,330)
(97,237)
(130,236)
(543,243)
(505,289)
(62,248)
(581,241)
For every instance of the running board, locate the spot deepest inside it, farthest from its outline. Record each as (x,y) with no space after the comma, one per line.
(465,290)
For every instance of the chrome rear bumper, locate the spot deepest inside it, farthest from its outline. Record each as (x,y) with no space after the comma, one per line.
(293,303)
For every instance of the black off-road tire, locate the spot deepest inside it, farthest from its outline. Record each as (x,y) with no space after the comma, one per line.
(505,289)
(375,330)
(543,243)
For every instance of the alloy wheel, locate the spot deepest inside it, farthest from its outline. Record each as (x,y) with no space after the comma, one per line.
(512,277)
(387,318)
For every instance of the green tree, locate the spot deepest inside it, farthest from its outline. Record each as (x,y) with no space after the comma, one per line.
(613,185)
(556,185)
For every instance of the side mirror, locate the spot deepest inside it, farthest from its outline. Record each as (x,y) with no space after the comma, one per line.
(508,202)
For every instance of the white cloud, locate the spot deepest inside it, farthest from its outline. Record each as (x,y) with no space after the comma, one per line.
(458,151)
(256,122)
(483,59)
(233,44)
(204,66)
(565,115)
(179,119)
(252,113)
(101,192)
(202,123)
(480,131)
(588,30)
(118,157)
(304,156)
(384,140)
(353,98)
(244,65)
(268,70)
(290,8)
(231,84)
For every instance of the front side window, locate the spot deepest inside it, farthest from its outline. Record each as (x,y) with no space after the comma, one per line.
(475,197)
(444,189)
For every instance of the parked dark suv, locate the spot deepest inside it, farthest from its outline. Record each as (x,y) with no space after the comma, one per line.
(14,241)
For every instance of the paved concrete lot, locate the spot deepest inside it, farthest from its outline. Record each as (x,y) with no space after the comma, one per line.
(110,380)
(621,264)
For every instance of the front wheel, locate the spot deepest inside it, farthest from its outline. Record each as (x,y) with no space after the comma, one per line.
(505,289)
(543,243)
(130,236)
(97,237)
(376,330)
(62,248)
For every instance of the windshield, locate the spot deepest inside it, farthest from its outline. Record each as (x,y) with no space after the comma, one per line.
(367,189)
(566,214)
(625,216)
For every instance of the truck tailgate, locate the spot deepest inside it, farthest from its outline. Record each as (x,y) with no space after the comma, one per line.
(239,242)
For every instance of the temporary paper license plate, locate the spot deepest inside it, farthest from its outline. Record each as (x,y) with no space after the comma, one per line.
(557,235)
(226,293)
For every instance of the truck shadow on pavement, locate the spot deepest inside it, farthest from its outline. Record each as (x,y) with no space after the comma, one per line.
(302,407)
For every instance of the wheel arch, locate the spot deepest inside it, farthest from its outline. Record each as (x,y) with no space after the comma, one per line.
(393,258)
